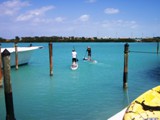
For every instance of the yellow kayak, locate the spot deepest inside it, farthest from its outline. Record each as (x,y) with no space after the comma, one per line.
(145,107)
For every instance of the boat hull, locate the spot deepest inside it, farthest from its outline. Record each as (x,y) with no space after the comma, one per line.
(23,58)
(119,115)
(24,54)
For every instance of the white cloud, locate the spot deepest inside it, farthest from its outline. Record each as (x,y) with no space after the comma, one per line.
(111,11)
(84,18)
(91,1)
(37,21)
(59,19)
(11,7)
(34,13)
(114,24)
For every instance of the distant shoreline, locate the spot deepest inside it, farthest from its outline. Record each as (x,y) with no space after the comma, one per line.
(78,39)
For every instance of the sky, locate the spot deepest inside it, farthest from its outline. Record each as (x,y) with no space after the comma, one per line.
(79,18)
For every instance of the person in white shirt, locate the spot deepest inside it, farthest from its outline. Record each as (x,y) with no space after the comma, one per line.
(74,57)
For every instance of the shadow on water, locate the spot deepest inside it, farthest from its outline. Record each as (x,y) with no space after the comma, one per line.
(154,73)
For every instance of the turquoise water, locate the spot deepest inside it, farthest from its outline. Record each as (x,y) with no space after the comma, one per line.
(92,92)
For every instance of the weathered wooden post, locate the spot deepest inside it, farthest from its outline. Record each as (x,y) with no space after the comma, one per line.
(7,86)
(125,73)
(1,76)
(50,59)
(157,47)
(16,56)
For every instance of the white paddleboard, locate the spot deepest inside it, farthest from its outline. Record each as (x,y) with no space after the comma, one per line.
(74,67)
(92,61)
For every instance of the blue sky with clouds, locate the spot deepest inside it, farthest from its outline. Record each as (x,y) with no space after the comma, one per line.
(88,18)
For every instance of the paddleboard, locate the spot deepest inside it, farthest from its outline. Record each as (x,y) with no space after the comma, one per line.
(145,107)
(74,66)
(92,61)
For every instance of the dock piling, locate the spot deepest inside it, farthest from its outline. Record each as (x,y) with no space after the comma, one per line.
(125,73)
(7,85)
(1,76)
(50,58)
(16,56)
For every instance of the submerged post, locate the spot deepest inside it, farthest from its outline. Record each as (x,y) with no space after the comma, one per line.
(1,76)
(125,73)
(7,86)
(50,59)
(16,56)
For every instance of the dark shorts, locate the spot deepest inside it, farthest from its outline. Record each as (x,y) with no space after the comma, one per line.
(74,59)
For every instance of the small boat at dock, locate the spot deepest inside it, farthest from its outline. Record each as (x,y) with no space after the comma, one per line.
(24,54)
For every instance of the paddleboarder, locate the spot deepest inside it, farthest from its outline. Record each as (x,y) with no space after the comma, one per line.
(89,52)
(74,57)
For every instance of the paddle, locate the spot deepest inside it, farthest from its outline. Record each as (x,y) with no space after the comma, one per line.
(74,48)
(84,56)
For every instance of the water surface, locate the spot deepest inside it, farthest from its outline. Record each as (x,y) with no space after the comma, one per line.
(93,92)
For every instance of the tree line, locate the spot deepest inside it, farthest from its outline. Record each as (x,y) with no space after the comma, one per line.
(78,39)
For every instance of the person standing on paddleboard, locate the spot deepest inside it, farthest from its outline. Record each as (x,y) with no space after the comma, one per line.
(89,52)
(74,57)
